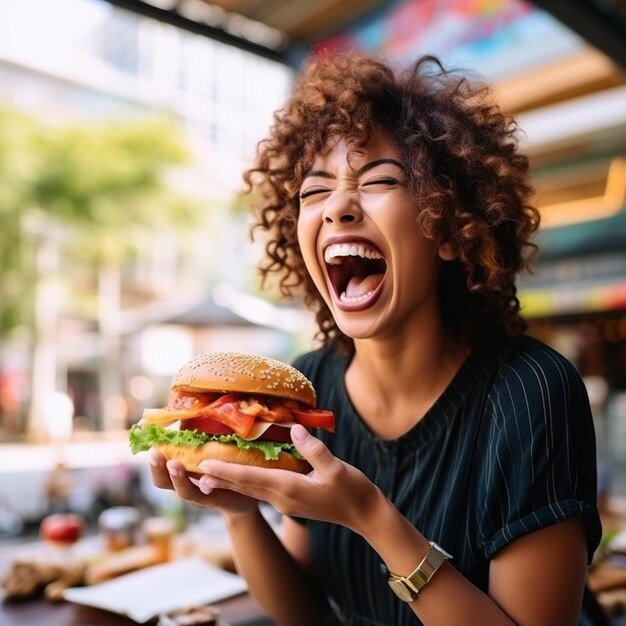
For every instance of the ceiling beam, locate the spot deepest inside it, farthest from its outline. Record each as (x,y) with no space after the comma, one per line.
(586,120)
(175,18)
(586,71)
(603,25)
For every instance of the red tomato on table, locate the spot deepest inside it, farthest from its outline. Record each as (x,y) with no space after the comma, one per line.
(62,527)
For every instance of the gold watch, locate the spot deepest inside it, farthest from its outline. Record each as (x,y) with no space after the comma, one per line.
(407,587)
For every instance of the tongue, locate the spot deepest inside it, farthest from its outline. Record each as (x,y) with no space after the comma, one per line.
(360,285)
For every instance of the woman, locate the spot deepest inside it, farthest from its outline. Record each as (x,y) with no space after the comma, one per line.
(459,487)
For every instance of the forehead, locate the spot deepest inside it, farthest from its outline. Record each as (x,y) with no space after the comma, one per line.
(338,154)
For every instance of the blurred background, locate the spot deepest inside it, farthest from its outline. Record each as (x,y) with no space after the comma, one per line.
(125,126)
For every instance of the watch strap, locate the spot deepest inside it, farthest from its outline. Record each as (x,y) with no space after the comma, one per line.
(407,587)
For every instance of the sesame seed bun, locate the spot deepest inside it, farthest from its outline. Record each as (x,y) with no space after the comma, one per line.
(192,457)
(241,372)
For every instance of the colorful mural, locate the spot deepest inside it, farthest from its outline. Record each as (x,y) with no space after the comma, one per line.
(492,37)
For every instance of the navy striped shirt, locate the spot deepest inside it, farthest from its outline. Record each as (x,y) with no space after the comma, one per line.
(508,448)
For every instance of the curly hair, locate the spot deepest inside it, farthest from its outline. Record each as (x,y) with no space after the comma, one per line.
(469,182)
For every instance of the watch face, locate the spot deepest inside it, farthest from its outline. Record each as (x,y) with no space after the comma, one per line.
(401,590)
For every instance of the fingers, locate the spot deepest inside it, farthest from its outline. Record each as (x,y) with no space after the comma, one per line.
(158,471)
(245,479)
(262,483)
(184,488)
(257,484)
(172,475)
(313,450)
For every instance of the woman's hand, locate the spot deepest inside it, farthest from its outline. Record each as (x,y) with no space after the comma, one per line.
(333,491)
(172,475)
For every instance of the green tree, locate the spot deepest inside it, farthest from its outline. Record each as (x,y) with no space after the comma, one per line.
(99,184)
(18,135)
(79,191)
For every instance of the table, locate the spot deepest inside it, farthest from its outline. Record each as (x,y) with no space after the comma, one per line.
(239,611)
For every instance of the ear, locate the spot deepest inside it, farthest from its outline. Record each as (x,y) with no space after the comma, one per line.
(447,251)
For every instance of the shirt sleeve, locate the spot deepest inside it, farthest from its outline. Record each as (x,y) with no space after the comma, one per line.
(540,458)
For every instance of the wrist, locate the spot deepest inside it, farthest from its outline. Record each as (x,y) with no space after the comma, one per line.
(372,518)
(234,518)
(384,526)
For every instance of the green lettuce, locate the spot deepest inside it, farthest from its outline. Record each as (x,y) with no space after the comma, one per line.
(142,438)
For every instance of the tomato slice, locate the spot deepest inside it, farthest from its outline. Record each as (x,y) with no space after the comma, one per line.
(214,427)
(206,425)
(224,415)
(316,418)
(230,416)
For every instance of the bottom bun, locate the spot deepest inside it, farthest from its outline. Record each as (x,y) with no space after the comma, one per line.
(192,457)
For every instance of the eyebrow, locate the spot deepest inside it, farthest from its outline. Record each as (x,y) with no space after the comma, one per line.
(360,171)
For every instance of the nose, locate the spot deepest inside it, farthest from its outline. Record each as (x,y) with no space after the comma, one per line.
(342,207)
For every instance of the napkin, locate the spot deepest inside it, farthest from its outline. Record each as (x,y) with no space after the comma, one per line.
(160,589)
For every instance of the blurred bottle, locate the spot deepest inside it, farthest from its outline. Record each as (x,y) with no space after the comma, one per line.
(58,489)
(159,532)
(119,526)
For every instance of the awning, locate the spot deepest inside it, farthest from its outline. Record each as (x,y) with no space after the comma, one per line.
(581,269)
(208,313)
(573,299)
(584,238)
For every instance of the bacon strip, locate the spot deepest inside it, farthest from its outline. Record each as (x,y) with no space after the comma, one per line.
(236,411)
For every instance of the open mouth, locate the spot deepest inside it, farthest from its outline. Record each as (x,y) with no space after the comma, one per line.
(356,271)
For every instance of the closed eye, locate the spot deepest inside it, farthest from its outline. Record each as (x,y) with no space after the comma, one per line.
(307,193)
(387,180)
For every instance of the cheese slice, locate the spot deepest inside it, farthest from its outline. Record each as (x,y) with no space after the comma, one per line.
(258,428)
(163,417)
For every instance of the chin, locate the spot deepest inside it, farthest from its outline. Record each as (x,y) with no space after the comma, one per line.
(358,329)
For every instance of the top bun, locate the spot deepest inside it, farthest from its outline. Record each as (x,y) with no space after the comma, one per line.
(244,373)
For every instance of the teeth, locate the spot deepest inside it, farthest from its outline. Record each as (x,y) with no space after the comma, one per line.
(365,296)
(350,249)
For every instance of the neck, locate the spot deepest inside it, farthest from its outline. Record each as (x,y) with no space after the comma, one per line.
(411,368)
(397,368)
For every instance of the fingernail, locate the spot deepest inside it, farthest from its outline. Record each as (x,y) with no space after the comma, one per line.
(206,485)
(298,433)
(205,466)
(172,470)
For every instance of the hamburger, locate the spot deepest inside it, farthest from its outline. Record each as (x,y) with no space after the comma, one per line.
(234,407)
